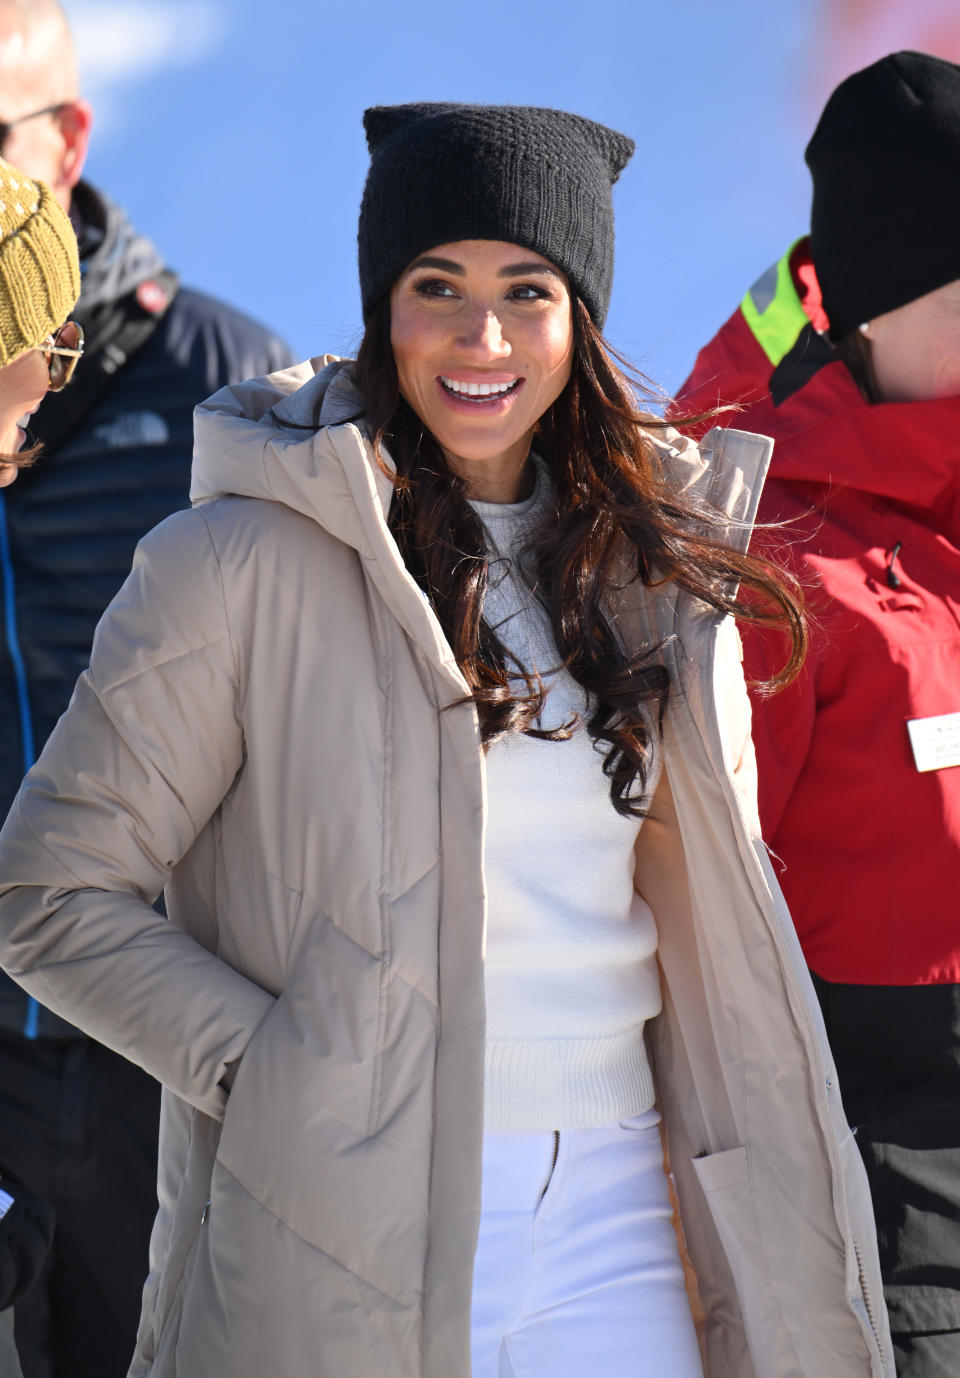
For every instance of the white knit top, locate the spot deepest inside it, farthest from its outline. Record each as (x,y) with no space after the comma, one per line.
(571,973)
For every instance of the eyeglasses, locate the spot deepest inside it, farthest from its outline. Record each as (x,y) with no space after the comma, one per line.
(7,125)
(63,349)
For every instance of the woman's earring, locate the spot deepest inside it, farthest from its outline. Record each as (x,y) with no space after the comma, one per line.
(864,328)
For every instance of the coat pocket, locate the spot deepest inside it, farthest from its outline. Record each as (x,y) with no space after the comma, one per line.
(724,1179)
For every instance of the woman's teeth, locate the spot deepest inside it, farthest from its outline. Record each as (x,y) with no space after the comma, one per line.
(478,389)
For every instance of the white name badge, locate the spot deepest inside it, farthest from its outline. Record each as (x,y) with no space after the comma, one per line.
(935,741)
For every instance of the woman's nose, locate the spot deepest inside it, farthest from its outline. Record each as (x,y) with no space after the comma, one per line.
(482,335)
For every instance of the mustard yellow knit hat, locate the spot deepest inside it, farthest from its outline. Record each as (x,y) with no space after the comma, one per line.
(39,264)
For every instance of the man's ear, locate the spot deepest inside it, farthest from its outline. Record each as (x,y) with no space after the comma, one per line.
(75,119)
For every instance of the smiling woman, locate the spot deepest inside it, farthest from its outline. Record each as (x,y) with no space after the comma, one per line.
(482,336)
(429,717)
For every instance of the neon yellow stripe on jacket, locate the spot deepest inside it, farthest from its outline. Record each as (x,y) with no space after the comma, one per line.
(773,311)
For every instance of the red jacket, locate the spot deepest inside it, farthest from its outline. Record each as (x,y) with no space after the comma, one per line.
(870,846)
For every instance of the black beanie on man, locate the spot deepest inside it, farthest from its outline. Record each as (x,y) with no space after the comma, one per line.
(442,172)
(885,161)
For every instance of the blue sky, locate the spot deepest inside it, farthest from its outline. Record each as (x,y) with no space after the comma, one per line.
(231,131)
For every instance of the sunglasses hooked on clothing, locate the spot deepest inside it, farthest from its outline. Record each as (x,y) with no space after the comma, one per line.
(63,349)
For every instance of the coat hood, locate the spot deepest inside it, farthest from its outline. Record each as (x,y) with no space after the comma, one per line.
(297,438)
(294,437)
(772,358)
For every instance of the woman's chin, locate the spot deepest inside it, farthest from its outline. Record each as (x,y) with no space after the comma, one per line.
(476,445)
(12,439)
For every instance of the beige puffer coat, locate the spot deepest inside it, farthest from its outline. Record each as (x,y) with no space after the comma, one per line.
(261,731)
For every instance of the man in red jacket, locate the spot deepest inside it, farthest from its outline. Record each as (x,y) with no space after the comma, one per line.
(847,351)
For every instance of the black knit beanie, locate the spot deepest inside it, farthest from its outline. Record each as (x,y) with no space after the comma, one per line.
(443,172)
(885,160)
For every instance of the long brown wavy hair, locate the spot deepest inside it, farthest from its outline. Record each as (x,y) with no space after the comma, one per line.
(615,519)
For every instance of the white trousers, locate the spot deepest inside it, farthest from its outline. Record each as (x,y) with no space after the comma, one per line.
(577,1269)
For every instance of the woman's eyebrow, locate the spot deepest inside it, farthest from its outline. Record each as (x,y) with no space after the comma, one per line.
(522,270)
(444,265)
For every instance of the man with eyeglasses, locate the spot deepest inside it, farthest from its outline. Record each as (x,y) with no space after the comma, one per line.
(78,1125)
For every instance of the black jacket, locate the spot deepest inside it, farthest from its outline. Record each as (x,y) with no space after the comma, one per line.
(69,525)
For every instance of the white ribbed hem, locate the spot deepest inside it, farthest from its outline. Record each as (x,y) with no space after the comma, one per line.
(567,1083)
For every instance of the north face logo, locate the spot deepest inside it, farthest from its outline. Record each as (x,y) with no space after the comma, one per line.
(132,429)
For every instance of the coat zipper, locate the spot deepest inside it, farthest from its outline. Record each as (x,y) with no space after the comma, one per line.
(32,1020)
(865,1289)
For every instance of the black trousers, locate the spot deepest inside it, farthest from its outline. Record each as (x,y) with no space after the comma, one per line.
(78,1125)
(897,1053)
